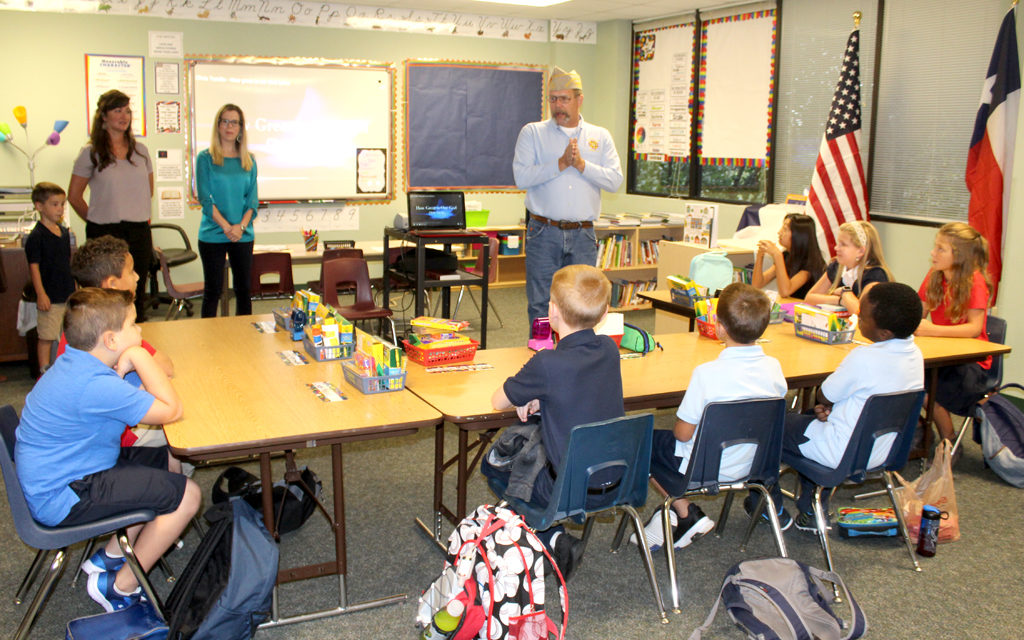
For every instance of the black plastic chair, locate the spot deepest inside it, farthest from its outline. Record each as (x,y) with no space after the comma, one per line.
(722,424)
(175,256)
(996,330)
(622,445)
(884,413)
(47,539)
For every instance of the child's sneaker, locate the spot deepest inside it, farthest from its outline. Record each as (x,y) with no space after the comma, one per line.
(101,589)
(101,561)
(693,526)
(805,522)
(785,520)
(653,531)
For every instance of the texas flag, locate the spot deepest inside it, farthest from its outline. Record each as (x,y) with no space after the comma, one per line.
(990,160)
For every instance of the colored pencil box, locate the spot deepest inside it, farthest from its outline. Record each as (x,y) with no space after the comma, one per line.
(855,523)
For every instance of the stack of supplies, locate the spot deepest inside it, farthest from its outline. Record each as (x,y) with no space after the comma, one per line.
(376,366)
(329,336)
(295,317)
(437,341)
(707,318)
(827,326)
(685,291)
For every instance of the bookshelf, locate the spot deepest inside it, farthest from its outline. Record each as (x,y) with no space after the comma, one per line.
(511,268)
(629,256)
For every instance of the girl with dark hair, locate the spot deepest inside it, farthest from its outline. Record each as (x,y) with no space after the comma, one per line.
(798,265)
(119,175)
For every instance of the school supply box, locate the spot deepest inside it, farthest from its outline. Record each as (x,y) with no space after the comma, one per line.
(823,325)
(376,366)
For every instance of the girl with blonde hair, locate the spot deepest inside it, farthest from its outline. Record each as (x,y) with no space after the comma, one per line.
(859,264)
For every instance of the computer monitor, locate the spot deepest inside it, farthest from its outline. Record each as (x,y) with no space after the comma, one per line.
(437,210)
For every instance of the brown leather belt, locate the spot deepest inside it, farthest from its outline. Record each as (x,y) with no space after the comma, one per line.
(562,224)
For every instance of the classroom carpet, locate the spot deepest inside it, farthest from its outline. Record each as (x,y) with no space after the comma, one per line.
(970,589)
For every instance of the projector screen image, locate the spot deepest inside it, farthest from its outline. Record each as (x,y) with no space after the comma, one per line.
(304,124)
(444,210)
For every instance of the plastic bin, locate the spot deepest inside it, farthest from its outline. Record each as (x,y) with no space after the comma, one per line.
(283,318)
(476,219)
(322,354)
(372,384)
(443,355)
(822,335)
(777,316)
(707,329)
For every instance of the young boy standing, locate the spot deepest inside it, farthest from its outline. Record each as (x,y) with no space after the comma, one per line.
(70,460)
(577,382)
(742,371)
(48,249)
(889,314)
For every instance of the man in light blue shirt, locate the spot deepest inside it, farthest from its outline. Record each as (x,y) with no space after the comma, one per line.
(563,163)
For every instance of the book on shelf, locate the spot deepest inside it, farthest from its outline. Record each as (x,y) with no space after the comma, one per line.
(614,251)
(625,293)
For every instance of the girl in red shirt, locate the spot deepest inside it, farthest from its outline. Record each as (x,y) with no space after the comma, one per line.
(956,294)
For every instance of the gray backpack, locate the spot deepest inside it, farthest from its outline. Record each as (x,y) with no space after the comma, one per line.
(782,599)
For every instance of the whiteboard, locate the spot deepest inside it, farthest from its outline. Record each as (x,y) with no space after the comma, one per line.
(307,120)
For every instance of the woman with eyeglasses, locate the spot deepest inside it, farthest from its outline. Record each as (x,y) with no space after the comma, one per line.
(226,182)
(119,174)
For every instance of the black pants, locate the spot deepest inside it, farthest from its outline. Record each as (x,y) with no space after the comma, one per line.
(240,255)
(140,245)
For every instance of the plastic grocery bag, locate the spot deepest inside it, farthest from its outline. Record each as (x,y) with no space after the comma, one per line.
(934,487)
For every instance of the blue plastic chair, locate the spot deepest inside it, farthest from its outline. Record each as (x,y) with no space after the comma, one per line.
(882,414)
(47,539)
(613,448)
(723,424)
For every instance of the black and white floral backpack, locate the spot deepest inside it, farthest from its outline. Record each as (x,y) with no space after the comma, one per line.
(495,566)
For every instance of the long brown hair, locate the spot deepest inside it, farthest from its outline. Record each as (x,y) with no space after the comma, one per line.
(241,142)
(970,254)
(102,154)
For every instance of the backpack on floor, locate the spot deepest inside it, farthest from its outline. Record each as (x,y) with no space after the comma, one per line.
(495,567)
(711,269)
(783,599)
(293,503)
(224,593)
(138,621)
(999,426)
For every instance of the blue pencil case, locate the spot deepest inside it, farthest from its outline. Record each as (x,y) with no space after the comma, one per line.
(856,523)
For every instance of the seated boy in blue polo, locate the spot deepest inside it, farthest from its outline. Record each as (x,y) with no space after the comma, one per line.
(742,371)
(889,314)
(70,460)
(577,382)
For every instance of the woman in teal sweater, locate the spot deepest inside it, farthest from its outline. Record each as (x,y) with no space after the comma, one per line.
(226,182)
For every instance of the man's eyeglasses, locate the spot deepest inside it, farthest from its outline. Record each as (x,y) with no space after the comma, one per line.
(229,123)
(560,99)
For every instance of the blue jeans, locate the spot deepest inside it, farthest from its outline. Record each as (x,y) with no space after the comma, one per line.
(548,249)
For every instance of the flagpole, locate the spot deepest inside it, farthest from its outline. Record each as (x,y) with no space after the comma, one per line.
(857,14)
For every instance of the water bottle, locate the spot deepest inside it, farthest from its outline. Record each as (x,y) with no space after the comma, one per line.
(928,533)
(298,323)
(445,622)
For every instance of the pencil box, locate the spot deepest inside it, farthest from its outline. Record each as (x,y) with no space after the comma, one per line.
(855,523)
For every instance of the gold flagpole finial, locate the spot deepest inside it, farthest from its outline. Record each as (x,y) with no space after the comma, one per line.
(856,19)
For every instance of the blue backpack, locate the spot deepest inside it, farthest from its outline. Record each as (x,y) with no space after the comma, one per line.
(711,269)
(225,591)
(999,427)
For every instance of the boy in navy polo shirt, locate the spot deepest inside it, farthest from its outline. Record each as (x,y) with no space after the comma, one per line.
(577,382)
(742,371)
(48,249)
(70,460)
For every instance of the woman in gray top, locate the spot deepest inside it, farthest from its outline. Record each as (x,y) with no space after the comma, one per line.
(119,175)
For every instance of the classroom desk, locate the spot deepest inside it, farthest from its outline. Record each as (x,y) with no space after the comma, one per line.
(657,380)
(240,398)
(661,300)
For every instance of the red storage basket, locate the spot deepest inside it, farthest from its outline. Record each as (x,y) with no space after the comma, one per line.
(441,355)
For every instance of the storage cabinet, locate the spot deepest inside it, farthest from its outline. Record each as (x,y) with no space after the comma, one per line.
(629,257)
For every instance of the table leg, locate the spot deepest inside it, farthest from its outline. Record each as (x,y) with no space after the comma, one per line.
(463,475)
(338,525)
(435,531)
(224,292)
(267,487)
(929,413)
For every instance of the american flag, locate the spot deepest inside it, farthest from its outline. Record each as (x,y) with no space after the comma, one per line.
(838,190)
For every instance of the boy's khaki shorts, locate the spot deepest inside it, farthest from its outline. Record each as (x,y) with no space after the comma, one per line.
(50,323)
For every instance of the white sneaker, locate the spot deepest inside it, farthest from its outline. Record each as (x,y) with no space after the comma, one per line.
(654,532)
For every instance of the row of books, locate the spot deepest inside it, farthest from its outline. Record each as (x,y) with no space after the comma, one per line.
(648,252)
(624,292)
(638,219)
(614,251)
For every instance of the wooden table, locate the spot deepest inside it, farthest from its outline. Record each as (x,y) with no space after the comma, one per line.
(240,398)
(657,380)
